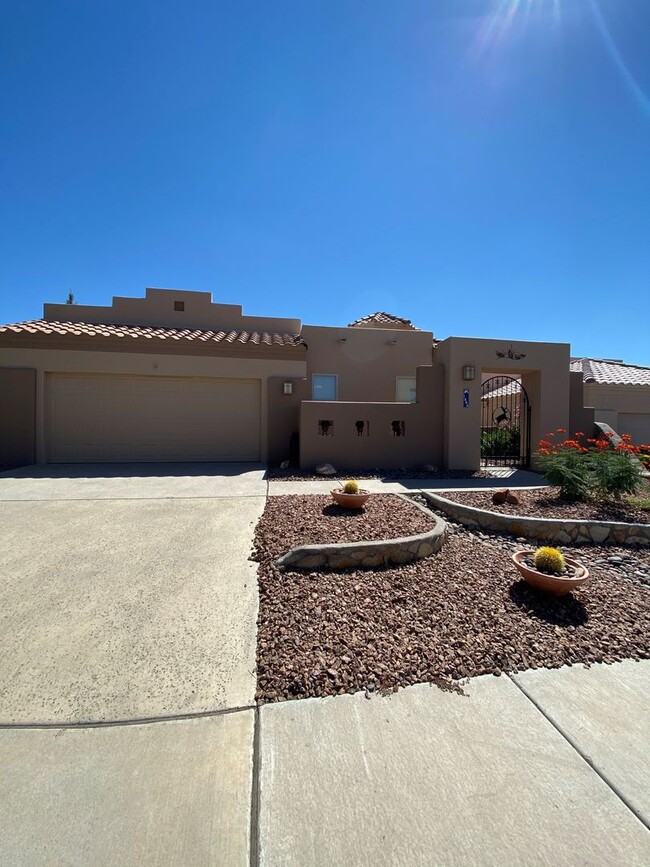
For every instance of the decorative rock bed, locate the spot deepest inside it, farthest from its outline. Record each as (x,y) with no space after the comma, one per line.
(565,532)
(368,555)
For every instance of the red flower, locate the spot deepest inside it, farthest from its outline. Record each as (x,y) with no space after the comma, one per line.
(545,444)
(626,438)
(561,430)
(579,433)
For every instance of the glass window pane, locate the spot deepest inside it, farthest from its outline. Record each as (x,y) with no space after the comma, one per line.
(405,391)
(323,386)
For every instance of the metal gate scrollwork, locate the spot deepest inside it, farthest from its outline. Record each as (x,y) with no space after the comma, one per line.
(505,423)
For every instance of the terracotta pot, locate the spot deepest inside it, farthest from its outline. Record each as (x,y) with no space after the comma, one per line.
(558,585)
(350,501)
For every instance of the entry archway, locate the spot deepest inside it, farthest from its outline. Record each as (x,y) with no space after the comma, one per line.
(505,423)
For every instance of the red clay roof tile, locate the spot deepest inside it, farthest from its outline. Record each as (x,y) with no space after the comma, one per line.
(89,329)
(605,371)
(381,318)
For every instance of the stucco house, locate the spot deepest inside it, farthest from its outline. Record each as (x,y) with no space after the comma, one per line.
(175,376)
(619,394)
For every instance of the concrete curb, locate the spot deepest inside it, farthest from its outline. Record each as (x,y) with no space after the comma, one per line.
(546,529)
(368,555)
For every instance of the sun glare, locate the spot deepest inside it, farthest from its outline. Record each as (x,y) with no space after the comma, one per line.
(506,12)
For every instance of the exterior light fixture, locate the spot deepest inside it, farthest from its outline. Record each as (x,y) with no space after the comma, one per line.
(287,388)
(469,372)
(391,342)
(342,339)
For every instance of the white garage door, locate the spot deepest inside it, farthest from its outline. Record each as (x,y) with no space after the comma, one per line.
(146,418)
(636,424)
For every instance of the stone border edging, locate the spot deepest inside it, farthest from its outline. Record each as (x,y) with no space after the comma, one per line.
(369,555)
(547,529)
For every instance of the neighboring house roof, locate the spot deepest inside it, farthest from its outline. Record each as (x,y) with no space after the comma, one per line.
(89,329)
(382,320)
(604,371)
(513,387)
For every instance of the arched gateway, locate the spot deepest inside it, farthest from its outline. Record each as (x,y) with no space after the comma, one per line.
(505,423)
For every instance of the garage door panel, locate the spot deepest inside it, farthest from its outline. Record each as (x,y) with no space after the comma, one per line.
(121,418)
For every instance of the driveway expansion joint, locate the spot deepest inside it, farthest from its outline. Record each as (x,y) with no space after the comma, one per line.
(587,759)
(97,724)
(256,791)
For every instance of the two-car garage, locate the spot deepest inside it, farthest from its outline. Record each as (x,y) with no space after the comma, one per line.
(114,417)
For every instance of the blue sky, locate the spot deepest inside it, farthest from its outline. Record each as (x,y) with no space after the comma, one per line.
(481,167)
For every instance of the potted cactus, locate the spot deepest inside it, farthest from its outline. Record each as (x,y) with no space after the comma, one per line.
(350,495)
(548,569)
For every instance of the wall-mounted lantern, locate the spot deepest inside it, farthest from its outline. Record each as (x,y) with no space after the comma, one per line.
(287,388)
(469,372)
(391,342)
(342,339)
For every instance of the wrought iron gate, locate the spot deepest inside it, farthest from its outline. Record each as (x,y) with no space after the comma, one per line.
(505,423)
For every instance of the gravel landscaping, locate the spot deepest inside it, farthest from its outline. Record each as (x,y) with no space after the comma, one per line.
(546,503)
(459,613)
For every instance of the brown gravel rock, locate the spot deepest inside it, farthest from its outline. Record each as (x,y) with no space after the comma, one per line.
(460,613)
(289,521)
(546,503)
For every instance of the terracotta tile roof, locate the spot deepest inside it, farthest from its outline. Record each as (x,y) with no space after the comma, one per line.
(605,371)
(88,329)
(382,319)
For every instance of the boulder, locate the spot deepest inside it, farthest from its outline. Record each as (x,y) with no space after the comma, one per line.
(512,498)
(325,470)
(499,497)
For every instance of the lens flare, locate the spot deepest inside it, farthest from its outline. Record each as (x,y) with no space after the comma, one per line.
(615,54)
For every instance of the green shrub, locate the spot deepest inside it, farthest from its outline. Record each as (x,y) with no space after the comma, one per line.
(567,469)
(614,473)
(500,442)
(598,471)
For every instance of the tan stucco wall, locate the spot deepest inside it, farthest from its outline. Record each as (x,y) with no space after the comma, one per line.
(545,376)
(62,361)
(368,362)
(421,443)
(615,404)
(157,309)
(284,415)
(619,398)
(581,417)
(17,417)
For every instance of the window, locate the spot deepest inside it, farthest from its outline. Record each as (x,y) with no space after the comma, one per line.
(405,389)
(323,386)
(179,306)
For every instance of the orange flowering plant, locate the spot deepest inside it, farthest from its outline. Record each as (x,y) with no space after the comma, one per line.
(586,467)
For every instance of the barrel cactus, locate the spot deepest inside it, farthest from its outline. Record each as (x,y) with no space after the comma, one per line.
(351,487)
(549,560)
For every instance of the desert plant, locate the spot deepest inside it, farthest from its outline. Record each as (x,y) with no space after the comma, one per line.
(549,560)
(351,487)
(614,473)
(564,465)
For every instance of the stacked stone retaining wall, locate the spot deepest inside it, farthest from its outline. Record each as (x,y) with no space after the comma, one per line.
(564,532)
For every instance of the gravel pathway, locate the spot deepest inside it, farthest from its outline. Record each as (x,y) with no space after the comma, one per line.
(546,503)
(460,613)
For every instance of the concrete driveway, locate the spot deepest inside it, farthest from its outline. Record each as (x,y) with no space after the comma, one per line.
(126,597)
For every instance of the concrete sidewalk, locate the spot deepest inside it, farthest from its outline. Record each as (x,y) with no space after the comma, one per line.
(419,777)
(509,479)
(425,777)
(143,481)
